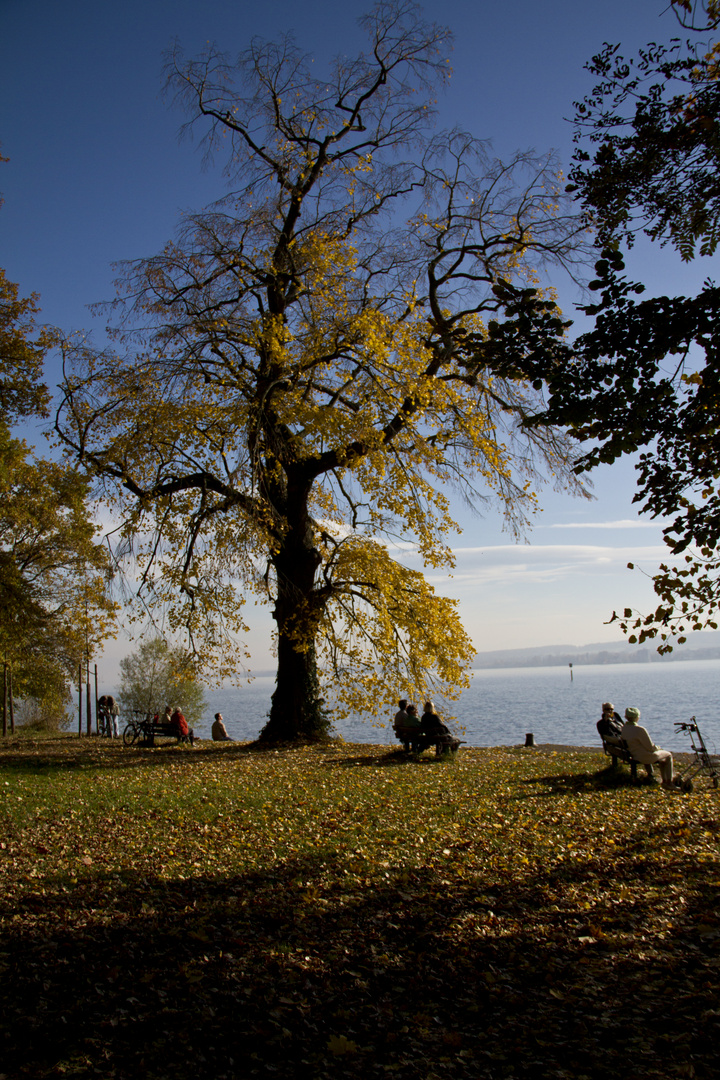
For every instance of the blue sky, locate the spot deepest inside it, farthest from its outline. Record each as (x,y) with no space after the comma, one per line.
(97,174)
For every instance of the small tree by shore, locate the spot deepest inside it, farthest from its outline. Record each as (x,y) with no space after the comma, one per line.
(158,674)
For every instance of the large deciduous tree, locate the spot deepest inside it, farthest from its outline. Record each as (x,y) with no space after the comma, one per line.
(319,358)
(646,378)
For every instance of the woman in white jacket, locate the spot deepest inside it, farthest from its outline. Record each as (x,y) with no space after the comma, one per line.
(644,749)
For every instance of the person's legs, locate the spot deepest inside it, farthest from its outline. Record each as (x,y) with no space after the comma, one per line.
(665,764)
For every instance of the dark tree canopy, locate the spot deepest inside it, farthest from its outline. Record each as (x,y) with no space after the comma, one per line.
(646,377)
(654,168)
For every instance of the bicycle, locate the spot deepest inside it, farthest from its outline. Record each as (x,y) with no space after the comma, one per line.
(135,728)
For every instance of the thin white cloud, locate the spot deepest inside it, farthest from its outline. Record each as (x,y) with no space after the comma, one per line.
(627,523)
(517,564)
(541,552)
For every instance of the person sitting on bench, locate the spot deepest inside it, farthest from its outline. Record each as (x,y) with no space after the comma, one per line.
(643,749)
(610,724)
(401,715)
(610,727)
(164,721)
(409,730)
(432,726)
(179,727)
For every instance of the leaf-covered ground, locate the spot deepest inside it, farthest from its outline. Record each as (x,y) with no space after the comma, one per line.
(223,912)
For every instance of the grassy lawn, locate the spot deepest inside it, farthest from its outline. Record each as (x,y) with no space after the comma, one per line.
(224,912)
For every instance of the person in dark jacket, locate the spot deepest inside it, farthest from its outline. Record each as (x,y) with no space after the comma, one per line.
(103,716)
(610,723)
(432,726)
(430,722)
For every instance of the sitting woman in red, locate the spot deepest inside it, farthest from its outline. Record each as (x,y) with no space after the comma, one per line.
(180,728)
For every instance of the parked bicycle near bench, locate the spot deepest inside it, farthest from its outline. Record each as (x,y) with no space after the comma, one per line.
(134,728)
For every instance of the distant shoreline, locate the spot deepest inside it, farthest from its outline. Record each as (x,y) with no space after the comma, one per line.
(589,655)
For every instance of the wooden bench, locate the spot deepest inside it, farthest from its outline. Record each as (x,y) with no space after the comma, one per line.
(150,729)
(419,743)
(619,751)
(144,732)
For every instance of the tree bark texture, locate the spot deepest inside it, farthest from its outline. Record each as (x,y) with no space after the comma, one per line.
(296,711)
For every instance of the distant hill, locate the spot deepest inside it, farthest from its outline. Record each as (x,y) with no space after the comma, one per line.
(704,645)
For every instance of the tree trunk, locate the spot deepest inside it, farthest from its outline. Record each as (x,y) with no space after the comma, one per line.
(297,709)
(297,712)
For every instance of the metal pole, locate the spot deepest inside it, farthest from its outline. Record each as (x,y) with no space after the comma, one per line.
(80,698)
(97,711)
(88,698)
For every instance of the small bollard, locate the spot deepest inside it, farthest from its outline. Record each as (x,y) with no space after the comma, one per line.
(530,739)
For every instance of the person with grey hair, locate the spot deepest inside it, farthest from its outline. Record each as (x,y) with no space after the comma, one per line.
(643,749)
(179,727)
(610,723)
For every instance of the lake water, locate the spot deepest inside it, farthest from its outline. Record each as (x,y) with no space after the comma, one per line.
(502,705)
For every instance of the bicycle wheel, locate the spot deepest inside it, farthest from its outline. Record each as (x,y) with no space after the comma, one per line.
(130,734)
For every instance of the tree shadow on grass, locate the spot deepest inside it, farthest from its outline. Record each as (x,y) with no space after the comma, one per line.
(300,970)
(47,756)
(607,779)
(99,755)
(392,760)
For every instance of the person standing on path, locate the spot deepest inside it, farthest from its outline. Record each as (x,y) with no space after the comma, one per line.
(113,714)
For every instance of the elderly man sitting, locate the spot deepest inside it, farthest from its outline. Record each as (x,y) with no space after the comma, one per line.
(644,749)
(610,723)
